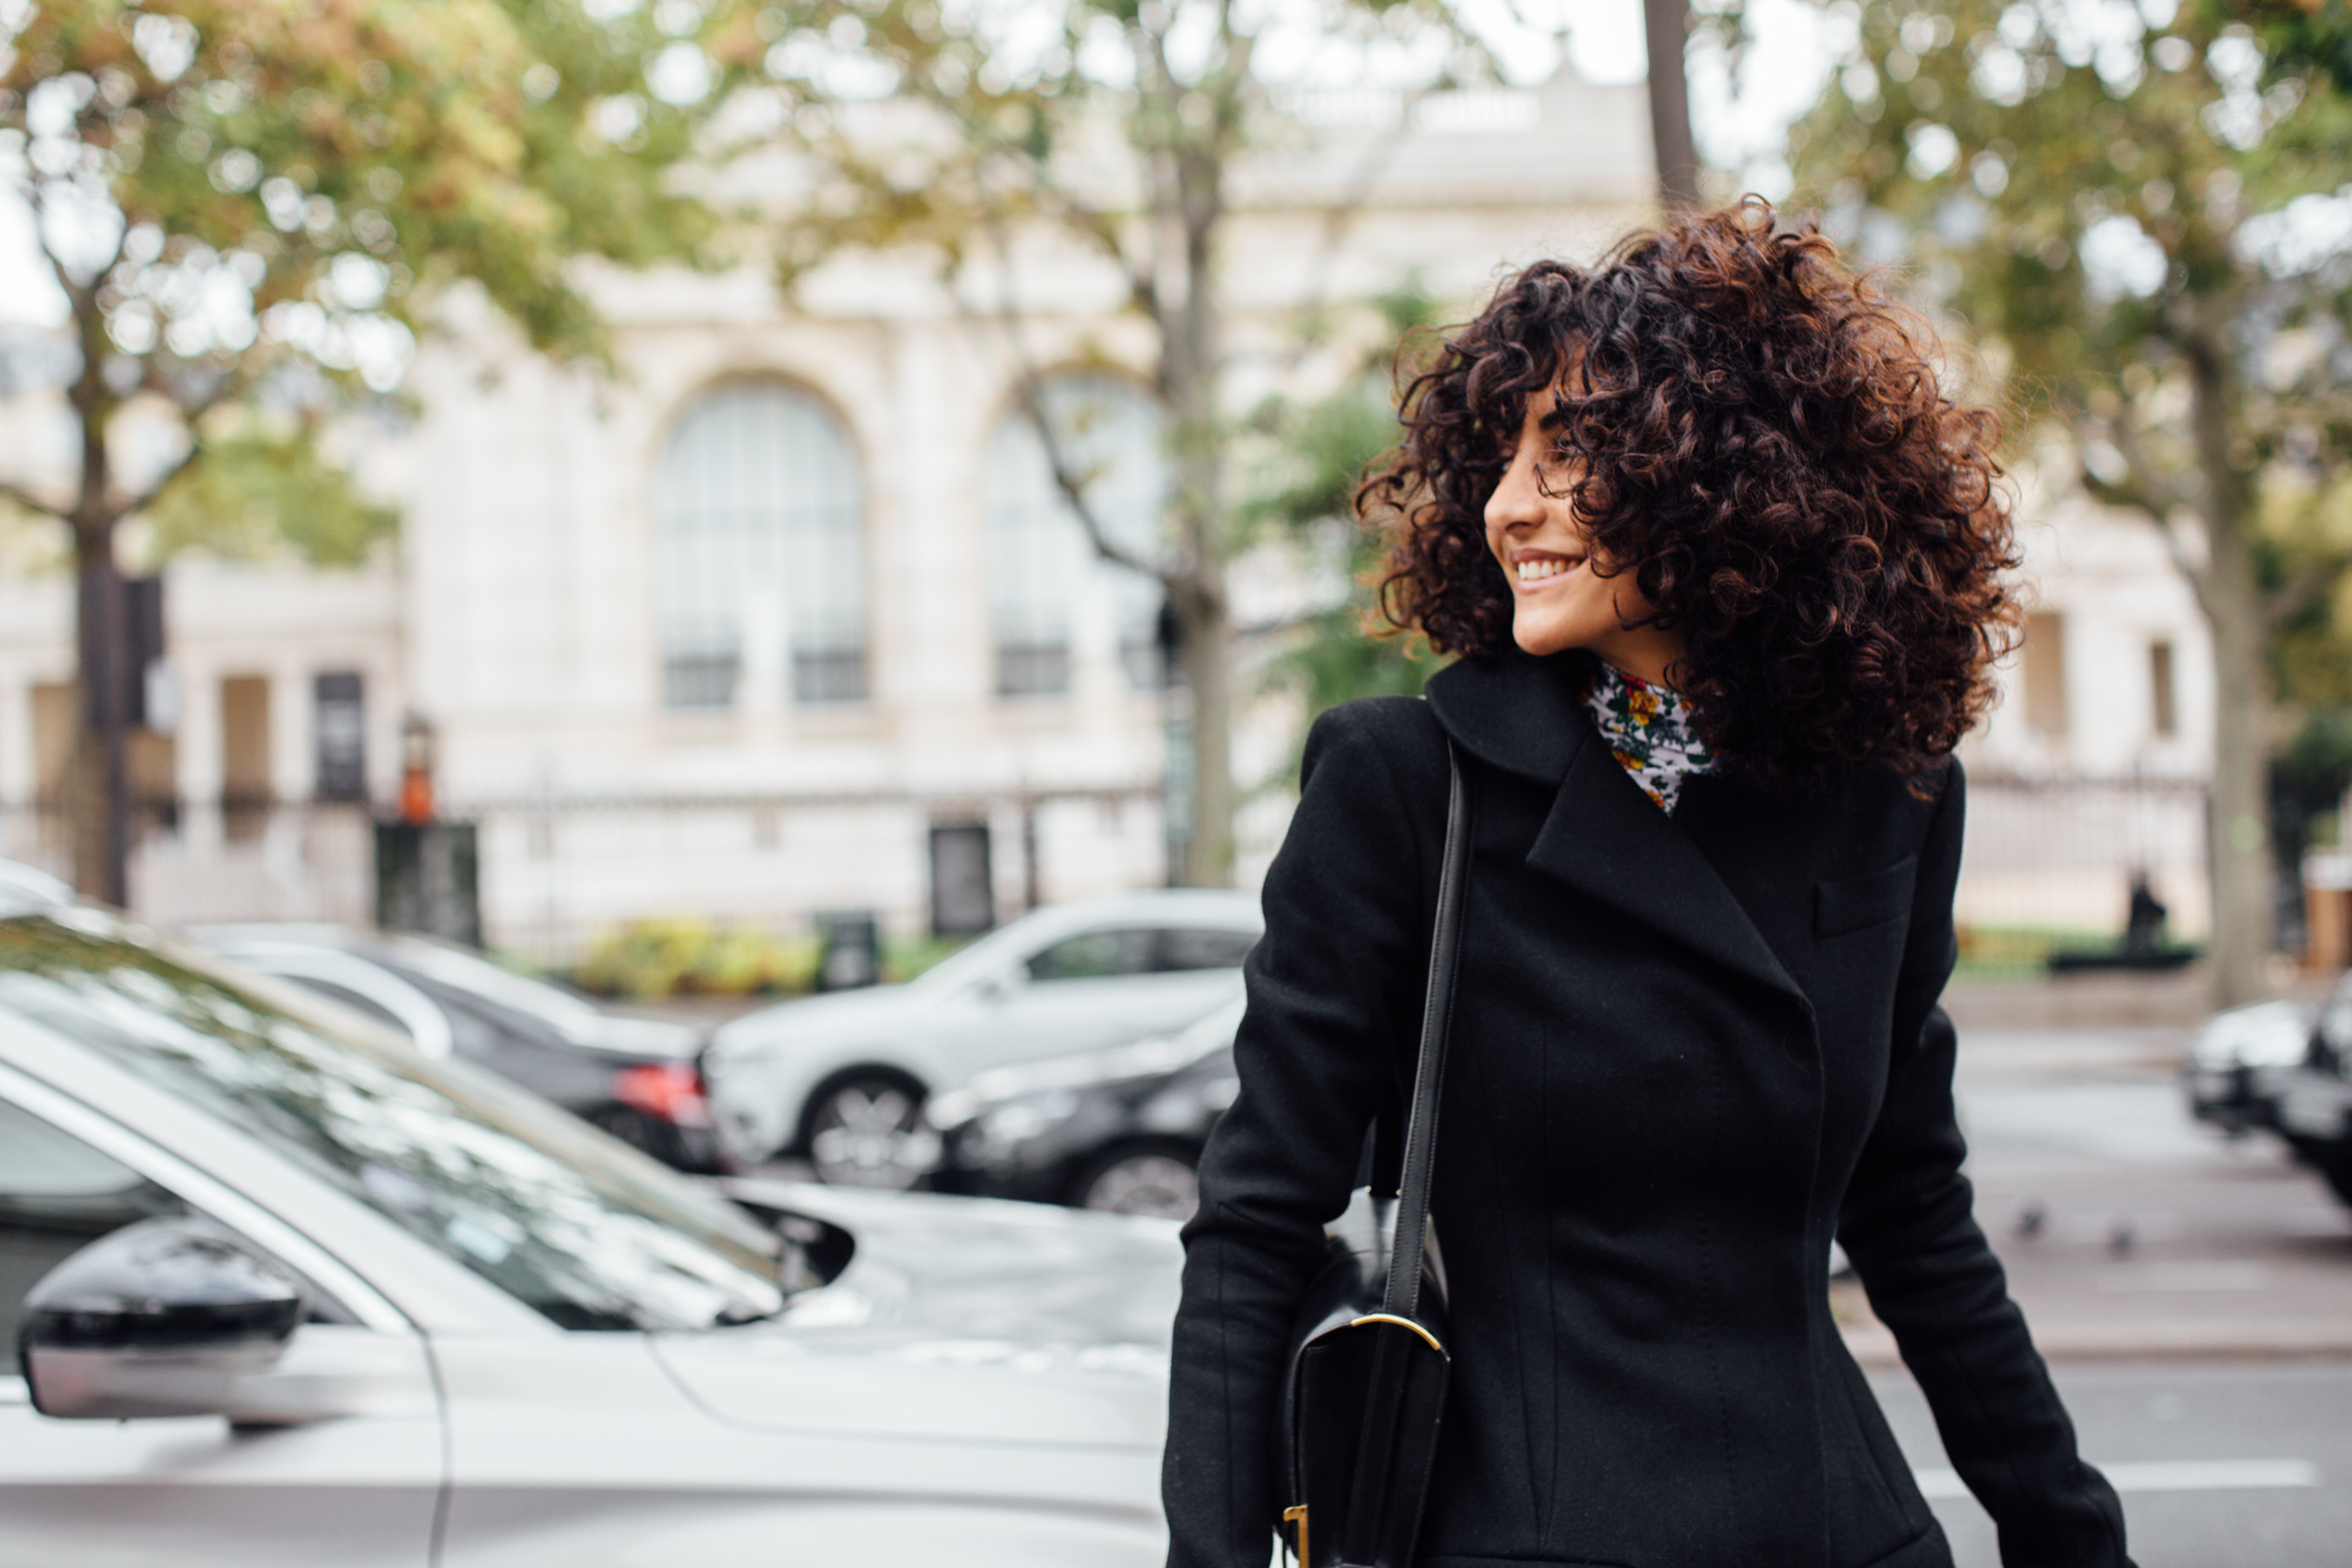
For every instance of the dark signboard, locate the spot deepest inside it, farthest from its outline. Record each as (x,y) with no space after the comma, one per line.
(339,723)
(964,883)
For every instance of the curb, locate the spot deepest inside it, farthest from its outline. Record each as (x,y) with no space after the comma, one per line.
(2174,1339)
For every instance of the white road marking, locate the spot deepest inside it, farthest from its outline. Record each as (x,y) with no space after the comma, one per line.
(2166,1475)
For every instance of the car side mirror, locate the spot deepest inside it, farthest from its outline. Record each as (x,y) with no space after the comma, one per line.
(1001,985)
(161,1318)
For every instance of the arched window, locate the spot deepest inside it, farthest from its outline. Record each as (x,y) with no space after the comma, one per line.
(759,505)
(1040,563)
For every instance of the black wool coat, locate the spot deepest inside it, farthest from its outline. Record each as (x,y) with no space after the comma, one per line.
(1687,1051)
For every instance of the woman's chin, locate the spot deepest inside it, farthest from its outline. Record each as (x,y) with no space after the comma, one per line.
(1543,635)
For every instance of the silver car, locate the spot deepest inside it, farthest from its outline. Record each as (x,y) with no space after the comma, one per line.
(284,1291)
(842,1079)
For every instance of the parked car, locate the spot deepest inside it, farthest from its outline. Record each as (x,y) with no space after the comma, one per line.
(2312,1100)
(842,1079)
(22,884)
(286,1291)
(2235,1065)
(2315,1116)
(634,1078)
(1119,1130)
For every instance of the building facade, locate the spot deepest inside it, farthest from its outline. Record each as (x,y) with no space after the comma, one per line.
(732,632)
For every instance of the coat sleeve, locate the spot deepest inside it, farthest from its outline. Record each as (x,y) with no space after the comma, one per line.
(1932,1278)
(1330,987)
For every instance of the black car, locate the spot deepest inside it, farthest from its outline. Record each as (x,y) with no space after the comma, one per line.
(1118,1129)
(637,1078)
(2233,1073)
(2313,1105)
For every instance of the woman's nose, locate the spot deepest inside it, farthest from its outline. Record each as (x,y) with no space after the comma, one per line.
(1514,504)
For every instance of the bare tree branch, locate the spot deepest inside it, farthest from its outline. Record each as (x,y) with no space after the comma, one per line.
(164,481)
(2143,487)
(1028,386)
(2305,588)
(31,502)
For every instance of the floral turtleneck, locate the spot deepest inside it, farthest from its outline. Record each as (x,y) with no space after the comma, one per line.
(1649,732)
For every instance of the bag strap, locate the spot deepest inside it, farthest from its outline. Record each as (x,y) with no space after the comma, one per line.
(1402,1296)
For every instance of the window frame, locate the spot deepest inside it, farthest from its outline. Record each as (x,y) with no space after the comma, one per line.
(801,670)
(206,1195)
(1049,667)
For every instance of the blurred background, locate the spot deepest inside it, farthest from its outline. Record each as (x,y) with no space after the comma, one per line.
(707,502)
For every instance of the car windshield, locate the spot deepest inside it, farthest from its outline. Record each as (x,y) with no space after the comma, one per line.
(571,1016)
(579,1227)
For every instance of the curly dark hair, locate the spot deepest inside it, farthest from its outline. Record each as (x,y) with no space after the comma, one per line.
(1758,435)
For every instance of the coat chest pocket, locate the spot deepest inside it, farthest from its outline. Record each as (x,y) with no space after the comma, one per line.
(1851,903)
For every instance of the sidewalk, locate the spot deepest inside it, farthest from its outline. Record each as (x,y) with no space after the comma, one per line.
(2128,1229)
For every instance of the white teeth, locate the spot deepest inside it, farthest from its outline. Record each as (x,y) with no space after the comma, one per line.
(1538,569)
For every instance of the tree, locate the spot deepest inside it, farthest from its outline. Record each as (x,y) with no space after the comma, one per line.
(1666,27)
(1113,123)
(1317,454)
(260,200)
(2119,202)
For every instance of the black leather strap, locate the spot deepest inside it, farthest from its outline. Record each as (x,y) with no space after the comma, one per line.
(1402,1296)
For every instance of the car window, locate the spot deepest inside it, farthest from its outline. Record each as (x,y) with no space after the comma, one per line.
(1204,947)
(477,1029)
(575,1225)
(366,1007)
(444,970)
(1096,955)
(58,1195)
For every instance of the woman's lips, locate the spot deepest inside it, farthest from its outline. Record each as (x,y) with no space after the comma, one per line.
(1533,570)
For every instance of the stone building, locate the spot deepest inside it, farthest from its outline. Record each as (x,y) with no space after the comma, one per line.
(732,632)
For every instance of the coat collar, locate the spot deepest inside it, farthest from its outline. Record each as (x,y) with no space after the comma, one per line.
(1602,837)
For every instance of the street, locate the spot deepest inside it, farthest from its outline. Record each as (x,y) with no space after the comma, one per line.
(2193,1293)
(2246,1464)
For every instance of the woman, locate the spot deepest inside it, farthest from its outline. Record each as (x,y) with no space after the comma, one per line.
(1723,568)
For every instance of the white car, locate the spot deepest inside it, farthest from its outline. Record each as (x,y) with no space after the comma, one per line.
(843,1077)
(284,1291)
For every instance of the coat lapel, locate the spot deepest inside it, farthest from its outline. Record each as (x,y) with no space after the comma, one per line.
(1603,837)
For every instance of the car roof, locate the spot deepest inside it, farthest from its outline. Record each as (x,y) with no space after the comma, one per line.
(27,887)
(1218,908)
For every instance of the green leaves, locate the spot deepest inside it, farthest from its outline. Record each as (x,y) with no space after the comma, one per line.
(258,491)
(238,190)
(2097,191)
(489,140)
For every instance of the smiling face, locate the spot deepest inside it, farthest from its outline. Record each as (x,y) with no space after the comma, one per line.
(1558,600)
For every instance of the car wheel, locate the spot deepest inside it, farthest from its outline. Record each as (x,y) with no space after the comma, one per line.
(868,1132)
(1160,1184)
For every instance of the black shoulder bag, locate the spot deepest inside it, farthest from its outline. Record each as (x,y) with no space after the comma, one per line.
(1368,1371)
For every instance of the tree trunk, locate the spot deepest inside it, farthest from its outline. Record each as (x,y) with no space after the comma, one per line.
(1207,653)
(1667,24)
(2238,836)
(1189,381)
(99,801)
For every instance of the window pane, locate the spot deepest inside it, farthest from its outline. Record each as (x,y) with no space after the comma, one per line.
(1185,947)
(759,504)
(835,676)
(58,1195)
(699,680)
(589,1232)
(1095,955)
(1040,559)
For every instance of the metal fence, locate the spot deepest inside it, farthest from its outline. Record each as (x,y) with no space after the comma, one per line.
(2049,862)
